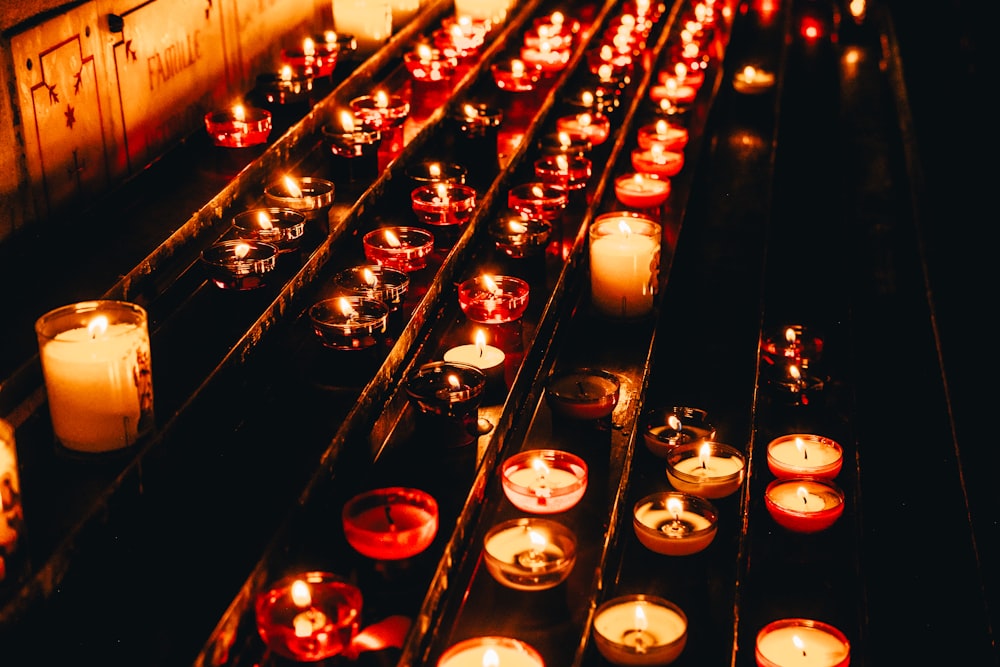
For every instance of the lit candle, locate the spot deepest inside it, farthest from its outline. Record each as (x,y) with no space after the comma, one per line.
(538,200)
(238,127)
(308,195)
(657,161)
(638,630)
(444,204)
(350,139)
(516,75)
(595,128)
(674,91)
(668,136)
(446,388)
(489,299)
(624,264)
(569,172)
(95,358)
(642,191)
(674,523)
(374,281)
(519,235)
(309,617)
(282,227)
(429,65)
(792,343)
(804,505)
(583,393)
(544,481)
(752,80)
(485,357)
(431,172)
(804,455)
(708,469)
(491,652)
(663,429)
(239,264)
(401,248)
(380,111)
(349,322)
(683,75)
(802,642)
(529,554)
(390,523)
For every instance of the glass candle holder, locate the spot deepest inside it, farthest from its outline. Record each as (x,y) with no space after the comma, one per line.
(682,74)
(597,99)
(519,236)
(312,58)
(479,120)
(804,505)
(529,554)
(487,358)
(583,393)
(564,143)
(624,264)
(444,204)
(516,75)
(607,56)
(801,641)
(429,65)
(374,281)
(238,127)
(707,469)
(570,172)
(792,343)
(239,264)
(538,200)
(548,59)
(281,227)
(352,142)
(431,172)
(657,161)
(349,322)
(544,481)
(390,523)
(309,617)
(402,248)
(380,111)
(753,80)
(11,507)
(793,384)
(466,31)
(447,388)
(312,197)
(638,630)
(677,93)
(593,128)
(642,191)
(285,88)
(662,133)
(479,651)
(490,299)
(663,429)
(804,455)
(95,358)
(674,523)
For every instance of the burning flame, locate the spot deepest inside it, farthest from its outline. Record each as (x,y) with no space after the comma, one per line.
(300,594)
(434,170)
(802,493)
(790,335)
(292,187)
(97,326)
(264,220)
(537,540)
(490,285)
(675,507)
(470,111)
(347,121)
(424,53)
(588,97)
(239,113)
(516,227)
(562,163)
(308,47)
(640,618)
(704,453)
(241,250)
(392,239)
(346,308)
(565,141)
(537,191)
(491,658)
(541,470)
(799,644)
(681,70)
(381,99)
(369,277)
(517,67)
(801,446)
(480,341)
(674,423)
(661,127)
(286,73)
(624,228)
(454,382)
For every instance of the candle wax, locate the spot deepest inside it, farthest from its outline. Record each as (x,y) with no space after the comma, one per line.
(474,656)
(818,457)
(653,635)
(817,497)
(819,647)
(392,530)
(623,274)
(676,534)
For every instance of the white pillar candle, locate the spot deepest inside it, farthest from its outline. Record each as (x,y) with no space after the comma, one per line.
(98,376)
(640,630)
(370,21)
(624,264)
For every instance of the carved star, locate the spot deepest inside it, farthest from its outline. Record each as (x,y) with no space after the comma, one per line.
(70,114)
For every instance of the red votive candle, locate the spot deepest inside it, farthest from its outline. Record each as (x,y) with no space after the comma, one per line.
(669,137)
(312,59)
(548,58)
(544,481)
(239,264)
(583,393)
(564,143)
(538,200)
(238,127)
(380,111)
(488,299)
(390,523)
(795,344)
(309,617)
(569,172)
(429,65)
(682,75)
(282,227)
(675,92)
(401,248)
(654,160)
(349,322)
(804,505)
(516,75)
(804,455)
(594,128)
(444,204)
(430,172)
(520,236)
(642,191)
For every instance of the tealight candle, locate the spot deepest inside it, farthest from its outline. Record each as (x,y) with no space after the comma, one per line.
(638,630)
(486,651)
(429,65)
(285,88)
(476,121)
(607,55)
(374,281)
(431,172)
(600,99)
(802,642)
(544,481)
(238,127)
(95,358)
(401,248)
(794,343)
(516,75)
(593,128)
(467,33)
(444,204)
(538,200)
(281,227)
(683,75)
(564,143)
(312,59)
(390,523)
(708,469)
(664,134)
(380,111)
(794,385)
(583,393)
(624,264)
(489,299)
(753,81)
(663,429)
(446,388)
(657,161)
(804,505)
(546,57)
(804,455)
(349,322)
(309,617)
(570,172)
(350,139)
(520,236)
(487,358)
(642,191)
(239,264)
(529,554)
(310,196)
(674,523)
(677,93)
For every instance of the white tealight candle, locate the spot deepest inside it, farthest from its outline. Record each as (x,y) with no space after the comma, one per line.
(802,643)
(486,358)
(624,264)
(640,630)
(708,469)
(491,652)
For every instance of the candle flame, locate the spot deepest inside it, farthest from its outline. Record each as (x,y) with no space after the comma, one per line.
(97,326)
(381,99)
(239,113)
(264,220)
(794,372)
(286,73)
(565,141)
(424,53)
(537,540)
(517,67)
(301,596)
(490,285)
(434,170)
(802,493)
(369,277)
(292,187)
(704,453)
(801,446)
(749,73)
(661,127)
(624,228)
(666,105)
(330,37)
(454,382)
(681,70)
(790,335)
(347,121)
(470,111)
(641,623)
(691,50)
(392,239)
(675,507)
(346,308)
(241,250)
(442,193)
(516,227)
(799,644)
(491,658)
(557,18)
(587,98)
(562,164)
(541,470)
(585,120)
(674,423)
(537,191)
(308,47)
(657,154)
(480,340)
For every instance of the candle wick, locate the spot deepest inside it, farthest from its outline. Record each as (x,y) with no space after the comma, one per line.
(805,453)
(388,517)
(581,388)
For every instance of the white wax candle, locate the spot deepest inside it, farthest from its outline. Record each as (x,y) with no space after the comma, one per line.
(662,624)
(370,21)
(97,384)
(553,478)
(816,647)
(714,466)
(485,357)
(475,655)
(804,496)
(623,273)
(813,454)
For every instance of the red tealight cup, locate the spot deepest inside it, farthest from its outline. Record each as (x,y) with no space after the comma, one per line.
(804,455)
(239,127)
(791,641)
(516,75)
(430,65)
(538,200)
(594,128)
(430,172)
(239,264)
(583,393)
(311,59)
(642,191)
(668,136)
(309,617)
(658,162)
(804,505)
(390,523)
(349,322)
(487,299)
(708,469)
(282,227)
(380,111)
(544,481)
(444,204)
(546,58)
(402,248)
(570,172)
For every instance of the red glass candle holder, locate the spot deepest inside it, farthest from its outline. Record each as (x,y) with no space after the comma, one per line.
(402,248)
(593,128)
(682,75)
(447,388)
(536,199)
(479,651)
(239,264)
(544,481)
(583,393)
(430,172)
(312,58)
(349,322)
(564,143)
(674,523)
(490,299)
(529,554)
(547,58)
(663,429)
(677,93)
(516,75)
(239,127)
(792,343)
(380,111)
(519,236)
(285,88)
(429,65)
(309,617)
(390,523)
(570,172)
(804,455)
(804,505)
(791,641)
(468,28)
(708,469)
(444,204)
(477,120)
(374,281)
(353,141)
(640,630)
(642,191)
(607,56)
(310,196)
(656,161)
(662,133)
(281,227)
